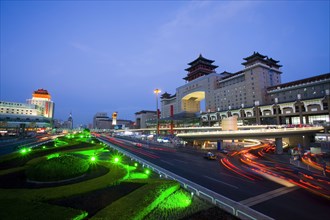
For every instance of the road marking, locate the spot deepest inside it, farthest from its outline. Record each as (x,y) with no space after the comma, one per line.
(164,161)
(242,179)
(219,181)
(267,196)
(181,161)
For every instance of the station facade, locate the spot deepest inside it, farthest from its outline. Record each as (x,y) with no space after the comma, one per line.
(254,94)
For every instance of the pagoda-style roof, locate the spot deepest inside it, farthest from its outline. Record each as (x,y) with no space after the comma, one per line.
(145,111)
(255,56)
(199,67)
(41,91)
(200,72)
(271,62)
(202,59)
(167,96)
(212,67)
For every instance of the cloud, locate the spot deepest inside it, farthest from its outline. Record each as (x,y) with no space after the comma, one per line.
(200,15)
(192,28)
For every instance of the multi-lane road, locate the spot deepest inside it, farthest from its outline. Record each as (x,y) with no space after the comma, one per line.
(276,199)
(11,146)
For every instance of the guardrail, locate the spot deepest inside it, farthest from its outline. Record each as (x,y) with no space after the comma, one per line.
(235,208)
(41,143)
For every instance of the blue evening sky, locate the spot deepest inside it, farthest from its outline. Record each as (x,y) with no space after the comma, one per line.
(106,56)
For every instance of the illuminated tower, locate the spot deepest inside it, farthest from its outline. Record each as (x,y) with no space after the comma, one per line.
(114,118)
(70,120)
(42,98)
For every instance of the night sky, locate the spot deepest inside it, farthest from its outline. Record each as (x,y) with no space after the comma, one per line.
(106,56)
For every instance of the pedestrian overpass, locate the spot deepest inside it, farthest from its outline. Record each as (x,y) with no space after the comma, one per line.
(298,135)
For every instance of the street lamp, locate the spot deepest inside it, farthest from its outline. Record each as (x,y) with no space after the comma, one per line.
(157,91)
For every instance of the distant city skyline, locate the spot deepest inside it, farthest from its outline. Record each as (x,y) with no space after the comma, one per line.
(109,56)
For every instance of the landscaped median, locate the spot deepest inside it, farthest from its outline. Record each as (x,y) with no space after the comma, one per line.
(140,202)
(86,179)
(26,209)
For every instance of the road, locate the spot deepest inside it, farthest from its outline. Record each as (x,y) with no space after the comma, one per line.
(9,147)
(266,196)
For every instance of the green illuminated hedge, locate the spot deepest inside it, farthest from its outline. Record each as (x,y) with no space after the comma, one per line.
(23,209)
(178,206)
(57,168)
(138,204)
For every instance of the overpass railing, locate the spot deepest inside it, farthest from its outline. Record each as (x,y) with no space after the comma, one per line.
(235,208)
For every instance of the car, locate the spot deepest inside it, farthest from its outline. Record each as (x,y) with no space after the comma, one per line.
(137,144)
(210,156)
(224,151)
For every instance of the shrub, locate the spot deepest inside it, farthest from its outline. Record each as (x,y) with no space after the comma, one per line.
(57,168)
(177,206)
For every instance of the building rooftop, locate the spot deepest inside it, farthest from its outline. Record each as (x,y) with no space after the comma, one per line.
(41,93)
(145,111)
(200,58)
(299,82)
(255,56)
(167,96)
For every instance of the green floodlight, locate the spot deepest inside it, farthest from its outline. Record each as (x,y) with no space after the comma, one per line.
(93,159)
(116,159)
(23,150)
(147,171)
(135,164)
(29,149)
(43,147)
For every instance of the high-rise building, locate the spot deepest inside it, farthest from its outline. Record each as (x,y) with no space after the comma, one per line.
(42,98)
(68,124)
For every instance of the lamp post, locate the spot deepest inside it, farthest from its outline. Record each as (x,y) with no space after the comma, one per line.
(300,109)
(327,93)
(157,91)
(276,111)
(257,112)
